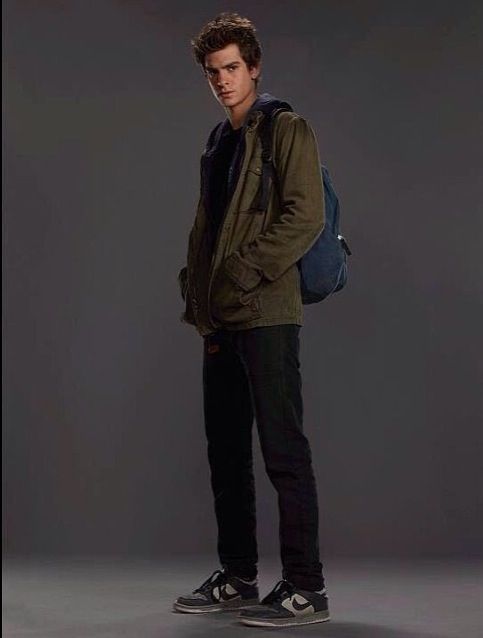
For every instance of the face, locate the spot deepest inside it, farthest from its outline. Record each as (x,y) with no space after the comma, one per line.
(230,79)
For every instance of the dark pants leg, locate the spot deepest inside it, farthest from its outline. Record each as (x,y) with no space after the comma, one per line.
(263,364)
(228,416)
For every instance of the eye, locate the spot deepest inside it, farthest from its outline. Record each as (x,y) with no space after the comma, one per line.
(212,72)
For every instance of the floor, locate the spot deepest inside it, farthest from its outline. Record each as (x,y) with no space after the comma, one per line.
(112,598)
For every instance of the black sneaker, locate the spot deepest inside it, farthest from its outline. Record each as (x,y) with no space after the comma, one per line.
(219,592)
(287,605)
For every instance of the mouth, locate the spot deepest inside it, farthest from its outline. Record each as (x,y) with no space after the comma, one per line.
(225,94)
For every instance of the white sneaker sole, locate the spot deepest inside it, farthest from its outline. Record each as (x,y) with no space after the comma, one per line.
(320,616)
(230,605)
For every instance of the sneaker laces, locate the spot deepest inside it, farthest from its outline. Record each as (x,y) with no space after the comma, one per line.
(218,577)
(278,592)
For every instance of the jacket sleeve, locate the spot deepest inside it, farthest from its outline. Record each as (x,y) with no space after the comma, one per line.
(182,281)
(302,216)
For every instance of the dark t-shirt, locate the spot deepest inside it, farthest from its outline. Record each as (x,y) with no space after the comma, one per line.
(219,179)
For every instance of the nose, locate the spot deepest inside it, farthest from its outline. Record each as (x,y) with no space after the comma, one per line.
(222,77)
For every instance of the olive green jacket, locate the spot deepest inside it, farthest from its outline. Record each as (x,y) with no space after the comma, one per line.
(251,277)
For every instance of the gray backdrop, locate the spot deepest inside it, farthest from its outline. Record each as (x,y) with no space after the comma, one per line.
(106,115)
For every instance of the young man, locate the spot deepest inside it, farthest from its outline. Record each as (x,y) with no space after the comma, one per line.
(241,287)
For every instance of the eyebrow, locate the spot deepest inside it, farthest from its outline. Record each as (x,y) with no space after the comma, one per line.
(210,68)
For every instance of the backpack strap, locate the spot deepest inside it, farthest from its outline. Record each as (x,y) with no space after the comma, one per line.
(268,169)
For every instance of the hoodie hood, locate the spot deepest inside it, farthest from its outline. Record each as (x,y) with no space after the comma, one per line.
(266,103)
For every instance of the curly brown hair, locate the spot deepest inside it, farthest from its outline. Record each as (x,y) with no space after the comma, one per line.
(228,28)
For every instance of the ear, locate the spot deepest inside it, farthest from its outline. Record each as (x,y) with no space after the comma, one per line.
(255,71)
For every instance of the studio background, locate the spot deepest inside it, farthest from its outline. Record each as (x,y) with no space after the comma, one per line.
(105,118)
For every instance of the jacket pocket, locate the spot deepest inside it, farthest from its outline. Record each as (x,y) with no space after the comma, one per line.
(251,187)
(230,303)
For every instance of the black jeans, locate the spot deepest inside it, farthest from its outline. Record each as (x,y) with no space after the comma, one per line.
(256,372)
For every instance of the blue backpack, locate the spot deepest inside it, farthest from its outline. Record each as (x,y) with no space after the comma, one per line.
(323,268)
